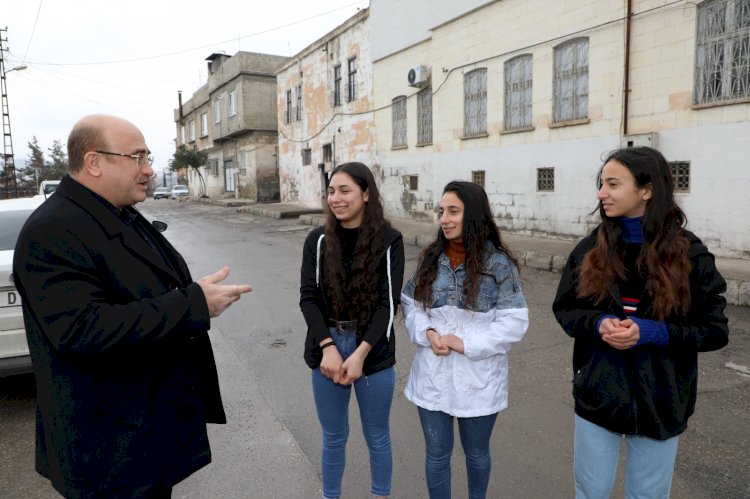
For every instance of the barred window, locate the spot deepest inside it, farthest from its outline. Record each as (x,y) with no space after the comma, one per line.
(477,177)
(475,102)
(327,153)
(299,103)
(351,80)
(337,85)
(722,55)
(570,93)
(214,164)
(288,112)
(545,179)
(413,181)
(398,116)
(424,116)
(306,156)
(518,83)
(681,175)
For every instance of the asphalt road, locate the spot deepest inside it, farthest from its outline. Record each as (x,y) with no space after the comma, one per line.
(271,446)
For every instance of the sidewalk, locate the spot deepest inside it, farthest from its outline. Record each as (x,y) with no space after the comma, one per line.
(533,252)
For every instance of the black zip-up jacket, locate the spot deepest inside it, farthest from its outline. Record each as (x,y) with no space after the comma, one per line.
(377,330)
(646,390)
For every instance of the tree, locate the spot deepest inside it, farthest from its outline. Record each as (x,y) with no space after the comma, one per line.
(189,158)
(57,166)
(28,177)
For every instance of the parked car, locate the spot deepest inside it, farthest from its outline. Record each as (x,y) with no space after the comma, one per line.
(47,187)
(14,350)
(161,193)
(178,191)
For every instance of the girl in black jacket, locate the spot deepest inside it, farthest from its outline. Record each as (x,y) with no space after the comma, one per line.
(641,296)
(352,272)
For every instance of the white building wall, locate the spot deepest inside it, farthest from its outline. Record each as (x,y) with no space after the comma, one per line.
(713,139)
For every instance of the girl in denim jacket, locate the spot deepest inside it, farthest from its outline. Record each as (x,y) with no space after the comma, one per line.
(463,308)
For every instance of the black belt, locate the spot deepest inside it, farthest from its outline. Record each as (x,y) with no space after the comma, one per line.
(344,326)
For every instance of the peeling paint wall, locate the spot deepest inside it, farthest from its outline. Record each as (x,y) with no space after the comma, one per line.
(713,139)
(322,125)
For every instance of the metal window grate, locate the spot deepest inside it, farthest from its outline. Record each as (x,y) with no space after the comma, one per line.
(545,179)
(475,102)
(722,55)
(477,177)
(413,181)
(570,94)
(680,175)
(424,116)
(327,153)
(518,95)
(398,118)
(306,156)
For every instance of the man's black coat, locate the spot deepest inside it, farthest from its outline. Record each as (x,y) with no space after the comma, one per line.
(126,379)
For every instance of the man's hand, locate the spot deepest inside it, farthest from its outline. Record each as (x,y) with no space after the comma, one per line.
(619,334)
(220,296)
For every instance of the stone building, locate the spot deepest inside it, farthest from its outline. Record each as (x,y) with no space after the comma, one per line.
(526,96)
(233,117)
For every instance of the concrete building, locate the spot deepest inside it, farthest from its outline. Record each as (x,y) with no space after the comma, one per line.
(233,117)
(325,107)
(525,96)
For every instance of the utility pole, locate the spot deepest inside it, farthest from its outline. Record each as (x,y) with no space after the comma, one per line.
(9,168)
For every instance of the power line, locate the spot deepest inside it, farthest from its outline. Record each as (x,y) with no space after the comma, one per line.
(32,31)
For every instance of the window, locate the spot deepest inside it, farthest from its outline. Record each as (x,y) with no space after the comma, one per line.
(518,82)
(336,85)
(722,55)
(477,177)
(545,179)
(424,116)
(288,112)
(232,103)
(217,111)
(182,134)
(570,93)
(351,81)
(299,102)
(214,164)
(680,175)
(306,156)
(191,128)
(475,102)
(327,153)
(398,119)
(413,182)
(204,124)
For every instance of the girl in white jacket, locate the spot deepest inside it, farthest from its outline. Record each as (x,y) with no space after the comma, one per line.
(463,308)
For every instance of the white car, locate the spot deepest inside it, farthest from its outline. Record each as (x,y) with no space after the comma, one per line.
(14,350)
(178,191)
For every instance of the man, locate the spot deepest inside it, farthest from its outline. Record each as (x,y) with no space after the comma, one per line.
(117,330)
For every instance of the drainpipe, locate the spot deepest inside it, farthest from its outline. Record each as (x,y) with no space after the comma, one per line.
(626,69)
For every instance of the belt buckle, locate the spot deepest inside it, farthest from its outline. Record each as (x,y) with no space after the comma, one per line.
(346,326)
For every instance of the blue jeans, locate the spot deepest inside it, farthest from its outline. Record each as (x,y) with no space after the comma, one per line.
(475,436)
(648,467)
(374,396)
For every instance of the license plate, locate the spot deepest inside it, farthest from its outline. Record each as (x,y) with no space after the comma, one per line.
(9,298)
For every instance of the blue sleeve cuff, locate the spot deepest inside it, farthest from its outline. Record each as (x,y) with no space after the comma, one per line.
(652,332)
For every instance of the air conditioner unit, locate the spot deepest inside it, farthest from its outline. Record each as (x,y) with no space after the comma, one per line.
(419,76)
(640,139)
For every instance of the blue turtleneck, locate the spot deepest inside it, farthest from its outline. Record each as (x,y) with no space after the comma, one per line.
(632,229)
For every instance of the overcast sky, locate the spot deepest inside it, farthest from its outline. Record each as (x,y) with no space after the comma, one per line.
(130,58)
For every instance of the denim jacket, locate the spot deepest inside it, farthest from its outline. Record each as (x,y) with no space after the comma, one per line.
(474,383)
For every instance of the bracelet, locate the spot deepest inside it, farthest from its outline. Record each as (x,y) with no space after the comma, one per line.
(327,345)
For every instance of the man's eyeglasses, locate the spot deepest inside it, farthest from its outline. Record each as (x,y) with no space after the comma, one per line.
(140,159)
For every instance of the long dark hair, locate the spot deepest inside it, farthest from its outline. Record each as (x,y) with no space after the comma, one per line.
(478,228)
(664,256)
(355,292)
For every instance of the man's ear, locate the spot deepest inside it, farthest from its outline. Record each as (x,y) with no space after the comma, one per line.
(92,164)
